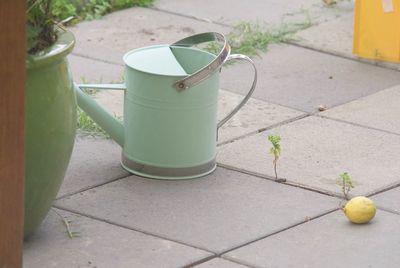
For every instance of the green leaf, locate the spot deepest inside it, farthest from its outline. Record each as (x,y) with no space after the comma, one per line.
(62,9)
(276,147)
(345,180)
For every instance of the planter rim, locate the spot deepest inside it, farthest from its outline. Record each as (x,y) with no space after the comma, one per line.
(60,49)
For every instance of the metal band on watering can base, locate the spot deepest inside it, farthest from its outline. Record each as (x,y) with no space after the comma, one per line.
(170,113)
(167,173)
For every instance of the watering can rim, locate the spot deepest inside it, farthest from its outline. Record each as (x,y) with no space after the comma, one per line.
(194,78)
(129,53)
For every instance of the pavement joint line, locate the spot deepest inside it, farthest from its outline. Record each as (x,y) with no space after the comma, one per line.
(267,101)
(285,122)
(290,120)
(314,113)
(388,188)
(130,228)
(191,17)
(388,210)
(241,262)
(263,100)
(357,125)
(96,59)
(220,255)
(340,55)
(93,186)
(239,138)
(206,259)
(203,260)
(280,231)
(288,183)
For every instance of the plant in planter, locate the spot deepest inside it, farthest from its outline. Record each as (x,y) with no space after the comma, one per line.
(50,111)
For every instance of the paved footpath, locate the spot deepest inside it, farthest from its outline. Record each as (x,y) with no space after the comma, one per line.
(238,216)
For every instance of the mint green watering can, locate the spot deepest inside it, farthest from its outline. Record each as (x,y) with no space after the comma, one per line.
(170,123)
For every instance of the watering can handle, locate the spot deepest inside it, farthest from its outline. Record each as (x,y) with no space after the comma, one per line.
(246,98)
(212,67)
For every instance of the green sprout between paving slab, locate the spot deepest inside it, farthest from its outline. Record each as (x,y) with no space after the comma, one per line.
(359,209)
(346,183)
(64,219)
(275,150)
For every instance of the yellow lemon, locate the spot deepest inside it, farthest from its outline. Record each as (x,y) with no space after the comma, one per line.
(360,209)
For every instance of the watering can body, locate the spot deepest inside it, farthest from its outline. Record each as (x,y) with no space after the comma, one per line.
(169,129)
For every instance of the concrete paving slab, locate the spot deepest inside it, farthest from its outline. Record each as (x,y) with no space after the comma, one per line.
(316,150)
(101,245)
(389,200)
(219,263)
(255,115)
(112,101)
(110,37)
(270,11)
(216,212)
(94,161)
(86,70)
(335,37)
(380,110)
(331,242)
(303,79)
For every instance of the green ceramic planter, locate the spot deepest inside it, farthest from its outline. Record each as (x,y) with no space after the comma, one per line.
(50,126)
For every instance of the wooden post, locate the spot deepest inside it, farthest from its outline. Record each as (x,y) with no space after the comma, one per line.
(12,87)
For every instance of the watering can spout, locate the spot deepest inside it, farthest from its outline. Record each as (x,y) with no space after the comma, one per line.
(104,119)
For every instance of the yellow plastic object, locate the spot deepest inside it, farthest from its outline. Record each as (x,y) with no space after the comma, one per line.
(377,30)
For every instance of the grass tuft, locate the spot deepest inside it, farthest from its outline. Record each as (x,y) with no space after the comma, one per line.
(85,124)
(87,127)
(252,38)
